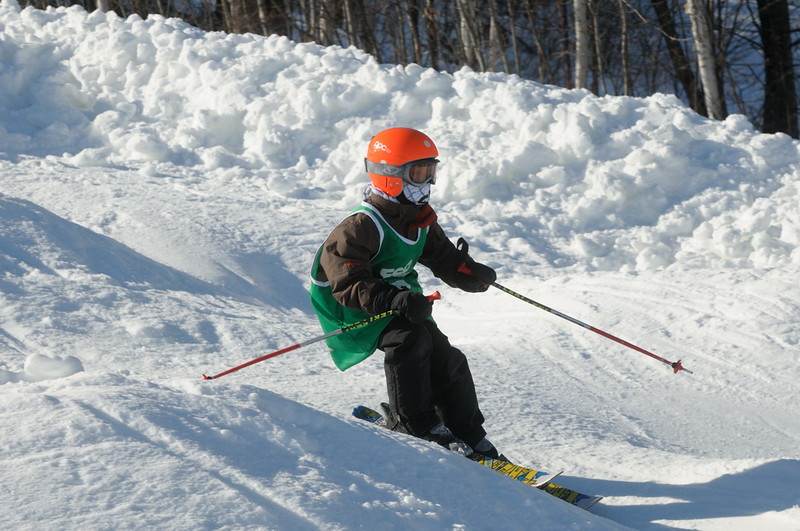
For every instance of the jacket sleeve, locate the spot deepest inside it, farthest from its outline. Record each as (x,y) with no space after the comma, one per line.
(345,261)
(441,256)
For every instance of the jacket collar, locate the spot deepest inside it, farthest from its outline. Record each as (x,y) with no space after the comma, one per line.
(403,218)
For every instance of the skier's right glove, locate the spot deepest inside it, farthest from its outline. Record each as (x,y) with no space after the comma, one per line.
(412,305)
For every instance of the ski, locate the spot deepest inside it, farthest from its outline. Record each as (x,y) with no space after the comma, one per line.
(529,476)
(584,501)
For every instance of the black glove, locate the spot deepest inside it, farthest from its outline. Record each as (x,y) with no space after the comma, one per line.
(412,305)
(470,275)
(481,278)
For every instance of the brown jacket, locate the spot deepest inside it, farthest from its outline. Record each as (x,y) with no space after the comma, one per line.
(346,254)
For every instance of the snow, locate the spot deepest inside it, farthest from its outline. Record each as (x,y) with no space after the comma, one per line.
(164,190)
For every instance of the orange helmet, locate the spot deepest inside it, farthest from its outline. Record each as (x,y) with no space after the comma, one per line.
(399,155)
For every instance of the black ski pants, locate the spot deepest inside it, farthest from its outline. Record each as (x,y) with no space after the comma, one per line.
(429,381)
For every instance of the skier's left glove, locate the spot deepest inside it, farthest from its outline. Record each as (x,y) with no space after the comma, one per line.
(470,275)
(480,279)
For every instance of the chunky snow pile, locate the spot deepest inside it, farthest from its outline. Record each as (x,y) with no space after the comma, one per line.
(164,191)
(608,183)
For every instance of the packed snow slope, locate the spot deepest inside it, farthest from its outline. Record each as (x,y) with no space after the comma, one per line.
(163,191)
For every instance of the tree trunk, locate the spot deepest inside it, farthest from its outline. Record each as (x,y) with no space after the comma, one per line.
(432,31)
(701,30)
(545,72)
(780,96)
(512,27)
(349,23)
(327,22)
(599,78)
(582,43)
(564,55)
(682,66)
(412,19)
(498,50)
(627,80)
(263,16)
(470,36)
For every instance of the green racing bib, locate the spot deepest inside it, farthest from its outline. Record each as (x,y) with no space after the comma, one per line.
(394,263)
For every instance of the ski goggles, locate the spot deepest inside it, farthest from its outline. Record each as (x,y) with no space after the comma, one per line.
(416,173)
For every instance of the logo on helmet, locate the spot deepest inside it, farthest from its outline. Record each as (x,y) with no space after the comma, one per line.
(380,145)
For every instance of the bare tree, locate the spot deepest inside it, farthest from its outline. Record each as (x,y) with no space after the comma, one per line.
(512,28)
(412,18)
(328,11)
(564,43)
(599,57)
(624,49)
(583,50)
(780,96)
(681,64)
(545,73)
(263,17)
(469,31)
(706,58)
(432,32)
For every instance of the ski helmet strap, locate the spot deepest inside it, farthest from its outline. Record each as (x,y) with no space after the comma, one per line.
(380,168)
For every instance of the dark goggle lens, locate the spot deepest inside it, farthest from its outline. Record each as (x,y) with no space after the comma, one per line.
(421,172)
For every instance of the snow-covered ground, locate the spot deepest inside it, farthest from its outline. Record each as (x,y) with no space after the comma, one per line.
(163,190)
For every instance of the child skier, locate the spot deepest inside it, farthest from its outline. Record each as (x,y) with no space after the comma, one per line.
(366,267)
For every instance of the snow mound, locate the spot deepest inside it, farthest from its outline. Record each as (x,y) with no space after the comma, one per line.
(39,367)
(612,184)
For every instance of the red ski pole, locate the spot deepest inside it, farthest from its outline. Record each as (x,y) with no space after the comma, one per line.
(676,365)
(463,248)
(432,297)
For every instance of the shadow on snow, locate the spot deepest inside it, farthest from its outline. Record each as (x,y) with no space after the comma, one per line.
(32,237)
(766,488)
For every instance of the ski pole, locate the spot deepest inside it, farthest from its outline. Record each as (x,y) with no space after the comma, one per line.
(377,317)
(676,365)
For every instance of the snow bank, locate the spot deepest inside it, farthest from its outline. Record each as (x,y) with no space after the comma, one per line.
(611,183)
